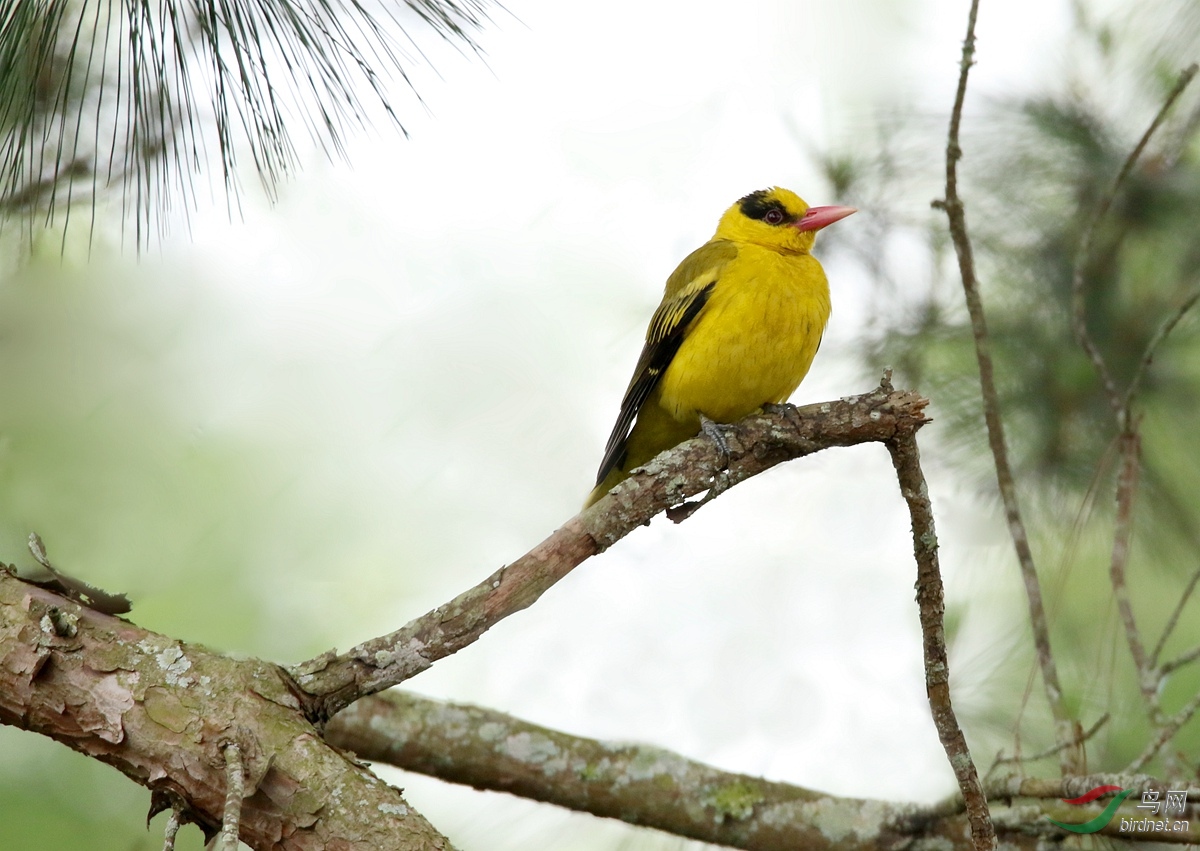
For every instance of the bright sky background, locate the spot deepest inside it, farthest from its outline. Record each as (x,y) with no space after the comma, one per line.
(434,339)
(463,309)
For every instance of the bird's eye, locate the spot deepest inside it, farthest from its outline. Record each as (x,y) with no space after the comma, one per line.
(773,217)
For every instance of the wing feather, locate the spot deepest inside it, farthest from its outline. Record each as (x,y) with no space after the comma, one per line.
(687,292)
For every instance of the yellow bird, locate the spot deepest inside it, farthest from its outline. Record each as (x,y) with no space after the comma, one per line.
(738,327)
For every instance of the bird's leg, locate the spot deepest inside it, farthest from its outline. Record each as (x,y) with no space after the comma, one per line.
(712,430)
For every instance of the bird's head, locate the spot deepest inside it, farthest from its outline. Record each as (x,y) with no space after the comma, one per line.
(779,219)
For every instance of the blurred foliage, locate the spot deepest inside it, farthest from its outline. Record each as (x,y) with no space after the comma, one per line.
(101,453)
(94,456)
(137,97)
(138,449)
(1037,168)
(55,798)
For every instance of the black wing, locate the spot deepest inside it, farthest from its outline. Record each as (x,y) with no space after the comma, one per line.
(667,330)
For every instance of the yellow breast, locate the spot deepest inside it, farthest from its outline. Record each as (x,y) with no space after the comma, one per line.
(754,341)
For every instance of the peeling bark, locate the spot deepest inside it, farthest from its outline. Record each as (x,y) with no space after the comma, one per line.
(161,711)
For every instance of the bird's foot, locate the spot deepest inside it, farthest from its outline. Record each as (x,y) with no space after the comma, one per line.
(786,410)
(712,430)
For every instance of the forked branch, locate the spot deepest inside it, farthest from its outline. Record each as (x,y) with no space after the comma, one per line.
(1150,676)
(333,681)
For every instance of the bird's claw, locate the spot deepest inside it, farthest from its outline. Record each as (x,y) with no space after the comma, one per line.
(712,430)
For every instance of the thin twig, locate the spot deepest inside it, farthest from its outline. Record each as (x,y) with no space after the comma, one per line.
(1053,749)
(1084,252)
(1170,627)
(955,212)
(1167,730)
(333,682)
(1127,480)
(171,829)
(931,605)
(1149,680)
(1152,347)
(1187,658)
(234,792)
(1020,786)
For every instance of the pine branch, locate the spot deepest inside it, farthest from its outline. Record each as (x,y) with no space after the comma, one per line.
(137,97)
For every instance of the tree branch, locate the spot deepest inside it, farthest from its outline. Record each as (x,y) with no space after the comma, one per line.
(1167,728)
(1172,621)
(1020,786)
(162,712)
(1149,679)
(332,682)
(1083,255)
(956,214)
(1053,750)
(1131,456)
(1164,330)
(1181,660)
(234,791)
(638,784)
(171,830)
(931,604)
(651,787)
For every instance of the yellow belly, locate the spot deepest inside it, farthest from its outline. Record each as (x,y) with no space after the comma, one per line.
(751,344)
(754,341)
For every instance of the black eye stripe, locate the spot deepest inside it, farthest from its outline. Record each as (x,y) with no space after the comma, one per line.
(758,204)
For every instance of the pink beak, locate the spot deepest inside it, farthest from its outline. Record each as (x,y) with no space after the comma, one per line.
(819,217)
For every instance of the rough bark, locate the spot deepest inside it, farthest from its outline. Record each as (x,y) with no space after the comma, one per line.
(161,711)
(652,787)
(332,682)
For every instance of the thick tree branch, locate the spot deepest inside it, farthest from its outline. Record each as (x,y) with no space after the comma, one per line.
(163,713)
(333,682)
(178,718)
(655,788)
(639,784)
